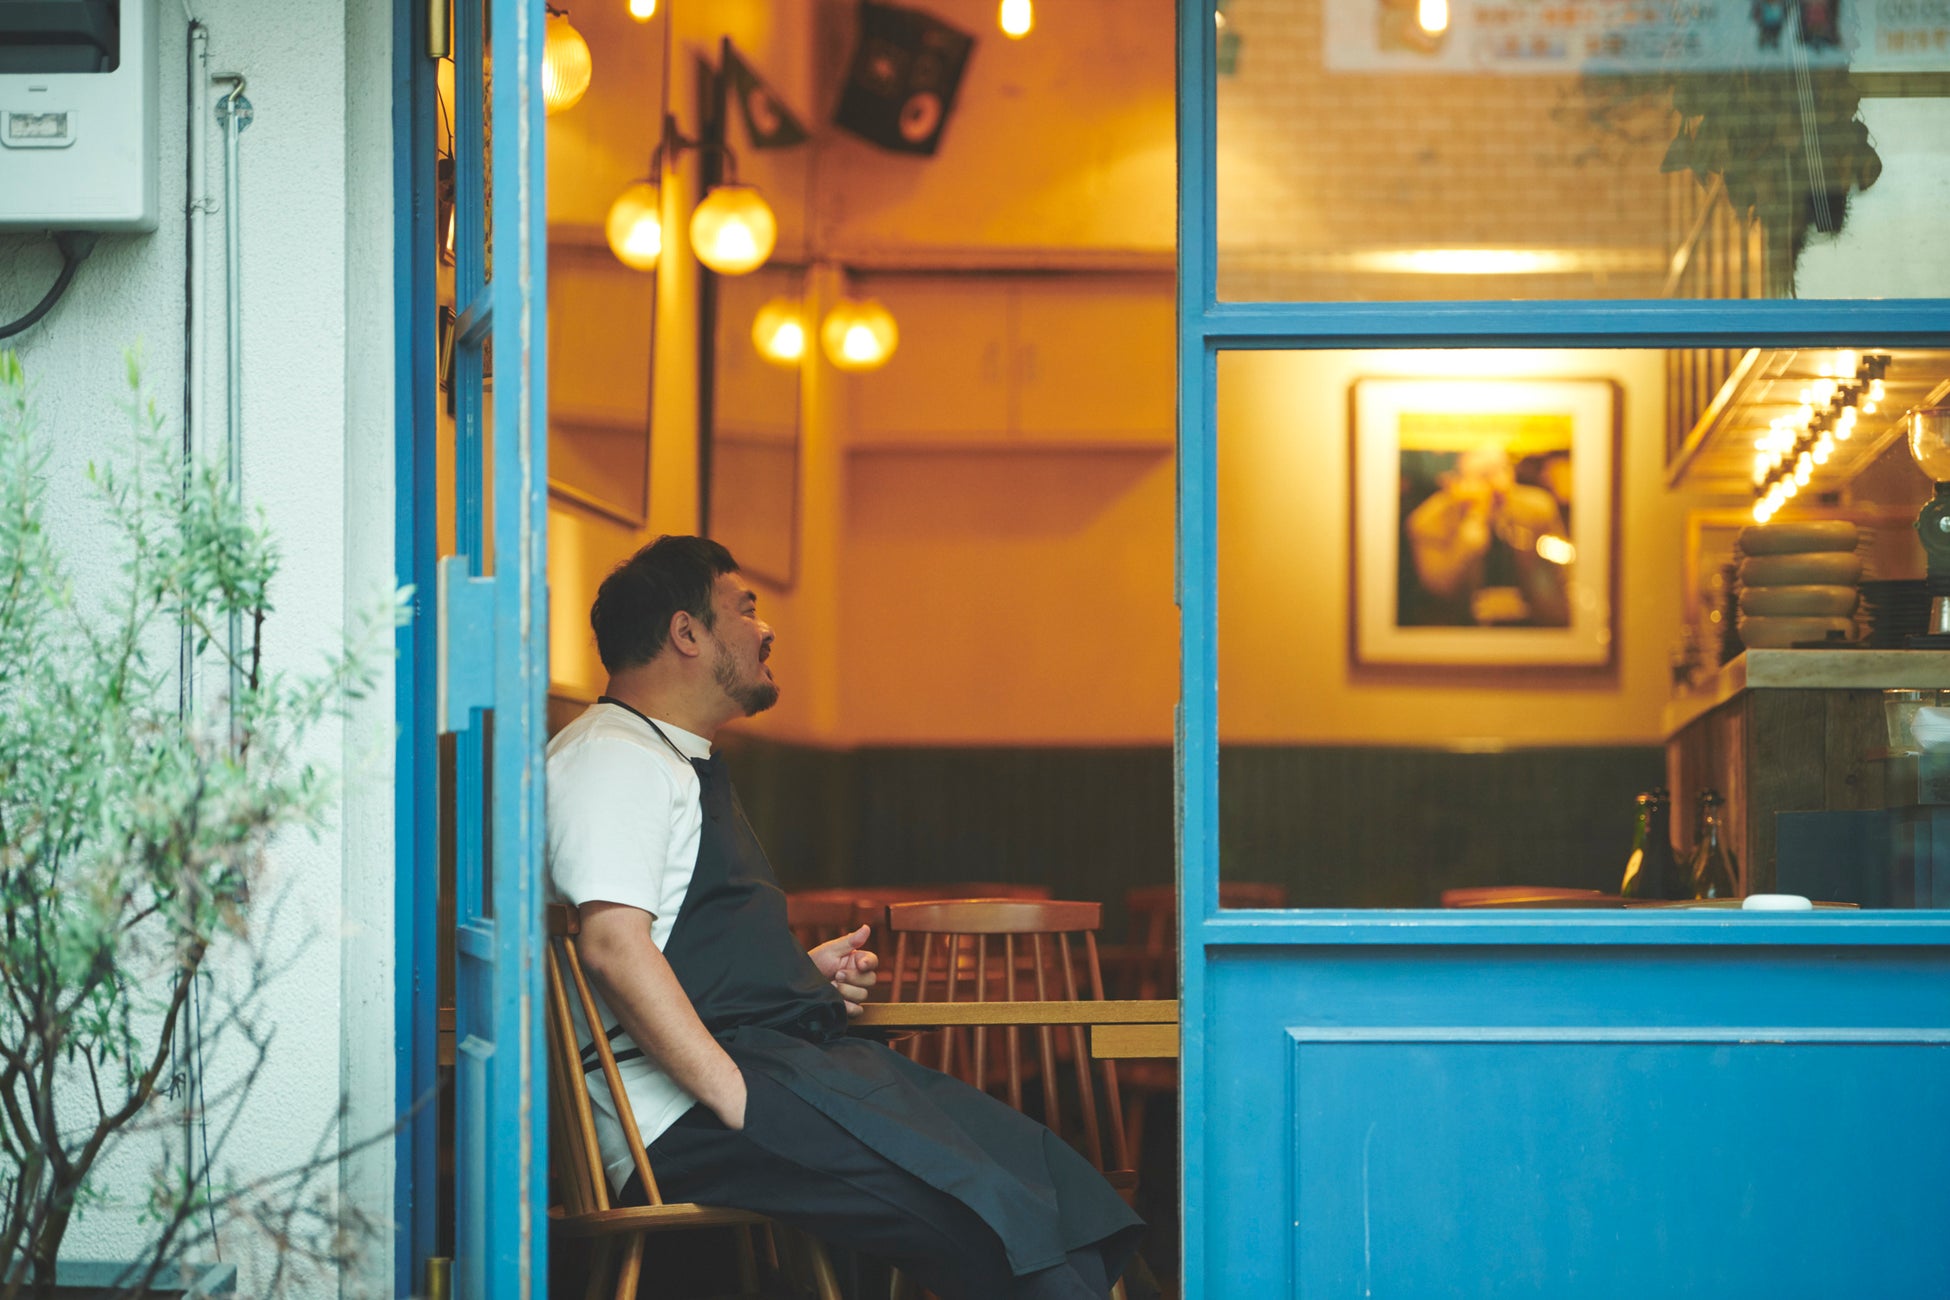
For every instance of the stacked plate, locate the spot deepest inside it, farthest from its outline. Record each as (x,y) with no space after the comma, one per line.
(1896,609)
(1798,583)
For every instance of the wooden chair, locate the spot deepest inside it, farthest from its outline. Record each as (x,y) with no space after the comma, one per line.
(586,1211)
(1147,967)
(1149,962)
(817,915)
(1015,950)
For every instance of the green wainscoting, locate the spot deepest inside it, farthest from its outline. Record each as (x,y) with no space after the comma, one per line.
(1340,826)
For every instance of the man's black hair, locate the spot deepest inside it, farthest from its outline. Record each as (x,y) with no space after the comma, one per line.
(636,602)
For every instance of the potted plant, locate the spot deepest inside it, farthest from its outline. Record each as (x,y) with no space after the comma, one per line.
(1765,111)
(138,801)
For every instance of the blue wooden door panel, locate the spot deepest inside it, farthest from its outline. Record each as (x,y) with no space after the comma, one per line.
(1544,1121)
(492,621)
(1766,1163)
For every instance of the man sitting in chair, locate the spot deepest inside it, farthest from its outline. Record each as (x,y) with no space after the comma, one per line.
(739,1070)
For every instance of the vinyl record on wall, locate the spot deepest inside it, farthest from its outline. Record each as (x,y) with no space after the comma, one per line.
(900,89)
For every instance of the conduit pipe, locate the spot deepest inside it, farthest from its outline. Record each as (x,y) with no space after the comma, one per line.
(196,205)
(234,114)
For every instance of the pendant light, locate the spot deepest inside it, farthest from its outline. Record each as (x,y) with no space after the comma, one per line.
(779,331)
(635,227)
(859,334)
(733,230)
(566,65)
(1015,18)
(643,10)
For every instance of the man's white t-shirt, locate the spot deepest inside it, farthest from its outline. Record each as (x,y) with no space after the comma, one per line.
(624,818)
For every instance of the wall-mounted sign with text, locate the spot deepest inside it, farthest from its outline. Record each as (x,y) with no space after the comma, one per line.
(1636,37)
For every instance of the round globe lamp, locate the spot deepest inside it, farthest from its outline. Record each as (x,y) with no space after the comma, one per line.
(635,227)
(1929,443)
(1015,18)
(643,10)
(566,65)
(733,230)
(859,335)
(779,332)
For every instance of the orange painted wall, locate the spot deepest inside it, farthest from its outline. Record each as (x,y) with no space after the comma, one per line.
(1009,598)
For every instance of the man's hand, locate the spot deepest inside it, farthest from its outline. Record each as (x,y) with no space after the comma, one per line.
(848,965)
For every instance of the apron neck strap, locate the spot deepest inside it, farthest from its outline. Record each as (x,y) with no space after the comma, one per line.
(611,699)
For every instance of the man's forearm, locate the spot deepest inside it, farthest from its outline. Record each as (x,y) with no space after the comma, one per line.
(637,983)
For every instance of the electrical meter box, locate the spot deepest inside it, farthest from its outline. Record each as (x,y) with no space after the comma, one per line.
(78,133)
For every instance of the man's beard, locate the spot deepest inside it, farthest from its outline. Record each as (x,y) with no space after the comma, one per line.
(754,696)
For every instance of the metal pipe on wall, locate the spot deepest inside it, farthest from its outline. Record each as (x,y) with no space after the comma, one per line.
(196,205)
(234,114)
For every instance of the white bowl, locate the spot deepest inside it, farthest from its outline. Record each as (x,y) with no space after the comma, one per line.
(1931,727)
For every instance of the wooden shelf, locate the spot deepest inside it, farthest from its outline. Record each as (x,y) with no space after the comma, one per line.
(1718,454)
(1844,670)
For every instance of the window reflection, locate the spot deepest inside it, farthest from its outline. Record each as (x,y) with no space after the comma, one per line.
(1483,149)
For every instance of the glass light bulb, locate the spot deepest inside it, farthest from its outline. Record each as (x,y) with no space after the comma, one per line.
(779,332)
(1015,18)
(635,228)
(1760,512)
(1876,391)
(1432,16)
(859,335)
(733,230)
(566,65)
(643,10)
(1847,363)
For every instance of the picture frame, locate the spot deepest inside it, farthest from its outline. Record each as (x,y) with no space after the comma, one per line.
(602,346)
(1483,521)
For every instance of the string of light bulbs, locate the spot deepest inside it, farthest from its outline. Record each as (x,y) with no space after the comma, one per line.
(1794,445)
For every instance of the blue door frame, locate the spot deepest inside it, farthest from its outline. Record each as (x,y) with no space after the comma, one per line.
(475,651)
(416,552)
(1427,1103)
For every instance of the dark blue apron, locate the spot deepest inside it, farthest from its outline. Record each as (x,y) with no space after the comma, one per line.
(766,1003)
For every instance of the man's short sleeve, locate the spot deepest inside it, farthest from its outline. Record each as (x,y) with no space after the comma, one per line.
(609,824)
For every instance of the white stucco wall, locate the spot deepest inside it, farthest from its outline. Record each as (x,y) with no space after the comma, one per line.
(317,412)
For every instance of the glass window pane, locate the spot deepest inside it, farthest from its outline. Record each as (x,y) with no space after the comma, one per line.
(1472,604)
(1486,149)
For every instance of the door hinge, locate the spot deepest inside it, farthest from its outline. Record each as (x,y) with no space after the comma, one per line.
(440,28)
(464,617)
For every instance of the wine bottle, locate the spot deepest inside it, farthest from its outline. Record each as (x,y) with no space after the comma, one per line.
(1713,873)
(1652,871)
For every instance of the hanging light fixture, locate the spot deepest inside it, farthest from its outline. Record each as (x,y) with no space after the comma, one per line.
(733,229)
(1015,18)
(1432,16)
(859,334)
(635,226)
(779,331)
(566,65)
(643,10)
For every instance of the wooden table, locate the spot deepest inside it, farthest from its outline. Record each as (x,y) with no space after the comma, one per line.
(1119,1030)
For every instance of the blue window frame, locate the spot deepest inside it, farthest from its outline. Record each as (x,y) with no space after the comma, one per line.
(1208,327)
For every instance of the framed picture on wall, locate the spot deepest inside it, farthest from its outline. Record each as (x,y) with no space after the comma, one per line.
(1483,523)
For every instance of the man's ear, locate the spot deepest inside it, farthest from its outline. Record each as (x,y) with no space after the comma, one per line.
(683,635)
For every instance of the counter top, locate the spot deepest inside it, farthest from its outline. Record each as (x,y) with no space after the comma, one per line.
(1803,670)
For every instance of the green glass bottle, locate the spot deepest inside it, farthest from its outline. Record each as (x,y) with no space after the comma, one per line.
(1652,871)
(1713,871)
